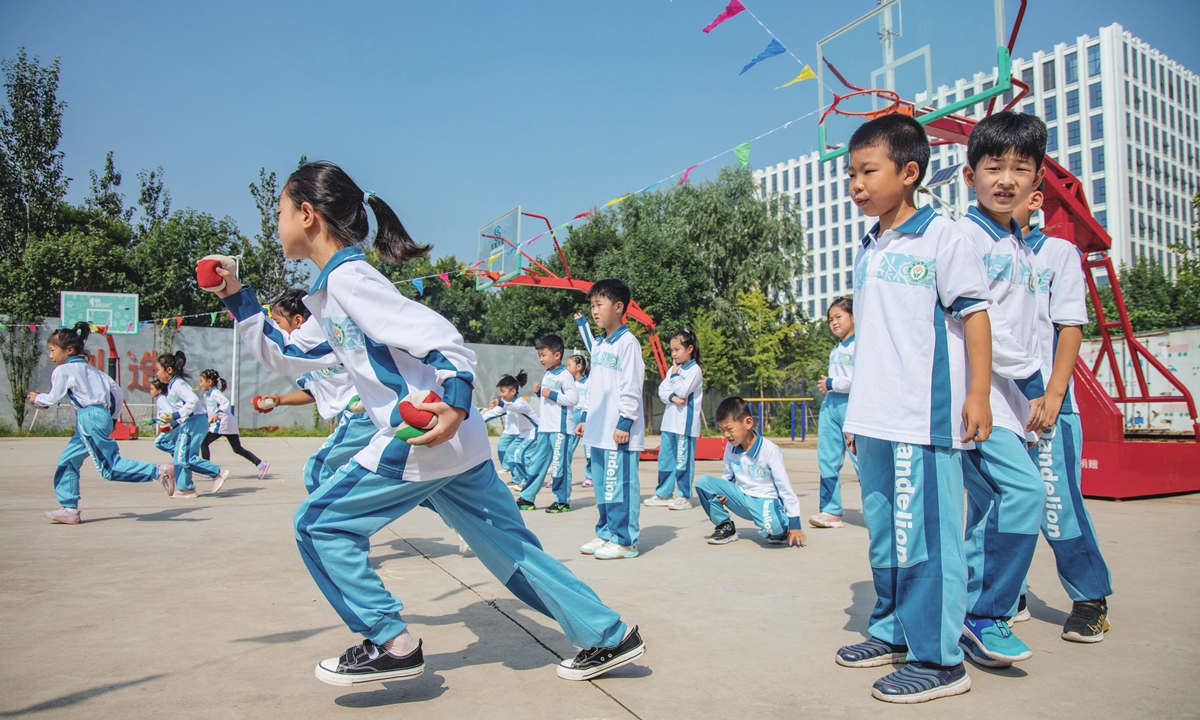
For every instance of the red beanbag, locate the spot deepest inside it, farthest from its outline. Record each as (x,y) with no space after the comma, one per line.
(206,271)
(422,419)
(262,404)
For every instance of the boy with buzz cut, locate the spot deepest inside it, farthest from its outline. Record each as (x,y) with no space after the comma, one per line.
(1004,490)
(754,486)
(613,422)
(555,423)
(1066,523)
(920,302)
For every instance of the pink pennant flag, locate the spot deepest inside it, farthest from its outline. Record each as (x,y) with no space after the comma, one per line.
(689,170)
(445,278)
(32,328)
(733,8)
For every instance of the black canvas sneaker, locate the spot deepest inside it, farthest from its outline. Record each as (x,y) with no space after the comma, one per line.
(596,661)
(1088,621)
(723,535)
(369,662)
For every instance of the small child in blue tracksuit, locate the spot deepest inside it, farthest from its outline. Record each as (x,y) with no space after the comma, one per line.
(190,418)
(391,345)
(614,422)
(1066,523)
(556,423)
(165,440)
(755,484)
(520,425)
(222,422)
(579,367)
(681,393)
(97,401)
(831,442)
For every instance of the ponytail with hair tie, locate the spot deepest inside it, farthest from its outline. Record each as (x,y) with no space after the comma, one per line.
(73,339)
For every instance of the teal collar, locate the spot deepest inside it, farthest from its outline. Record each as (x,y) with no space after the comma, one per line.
(605,337)
(755,447)
(688,364)
(556,369)
(994,229)
(847,341)
(75,359)
(345,255)
(1035,239)
(915,225)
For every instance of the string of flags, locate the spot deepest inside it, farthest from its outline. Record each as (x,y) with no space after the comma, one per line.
(775,47)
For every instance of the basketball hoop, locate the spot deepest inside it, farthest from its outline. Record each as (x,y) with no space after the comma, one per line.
(894,105)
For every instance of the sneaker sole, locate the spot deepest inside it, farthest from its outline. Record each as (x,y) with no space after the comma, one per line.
(569,674)
(976,655)
(1020,617)
(825,525)
(998,657)
(1076,637)
(689,507)
(217,484)
(724,541)
(63,522)
(647,503)
(342,680)
(622,556)
(890,659)
(958,687)
(263,473)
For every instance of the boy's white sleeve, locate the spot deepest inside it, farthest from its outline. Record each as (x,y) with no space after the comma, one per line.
(727,463)
(285,353)
(1068,289)
(493,413)
(566,394)
(783,486)
(1012,361)
(586,331)
(59,384)
(390,319)
(189,399)
(959,272)
(633,375)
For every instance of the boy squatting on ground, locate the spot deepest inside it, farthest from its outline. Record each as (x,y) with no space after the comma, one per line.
(1066,523)
(614,423)
(754,486)
(556,422)
(920,304)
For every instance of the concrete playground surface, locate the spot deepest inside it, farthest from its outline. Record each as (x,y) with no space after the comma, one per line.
(195,609)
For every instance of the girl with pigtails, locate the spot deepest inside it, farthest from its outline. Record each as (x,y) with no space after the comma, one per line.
(221,420)
(189,419)
(392,346)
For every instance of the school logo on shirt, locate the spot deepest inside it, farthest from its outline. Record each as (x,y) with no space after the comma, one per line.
(1044,281)
(343,332)
(999,268)
(907,269)
(846,359)
(608,360)
(860,273)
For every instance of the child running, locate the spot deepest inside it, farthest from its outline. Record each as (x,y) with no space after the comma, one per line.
(1066,523)
(165,439)
(97,401)
(579,367)
(555,423)
(221,421)
(520,424)
(754,486)
(191,421)
(1005,492)
(920,301)
(831,443)
(681,393)
(391,345)
(617,425)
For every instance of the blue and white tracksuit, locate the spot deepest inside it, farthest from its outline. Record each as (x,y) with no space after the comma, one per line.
(1005,492)
(519,436)
(755,486)
(97,401)
(165,440)
(190,421)
(614,402)
(1066,523)
(581,386)
(556,423)
(680,429)
(913,285)
(831,443)
(216,403)
(390,345)
(332,390)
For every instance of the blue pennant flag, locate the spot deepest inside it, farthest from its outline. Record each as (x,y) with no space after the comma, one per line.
(774,48)
(420,285)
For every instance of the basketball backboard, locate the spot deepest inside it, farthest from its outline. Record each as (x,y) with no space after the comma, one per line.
(116,311)
(918,49)
(498,259)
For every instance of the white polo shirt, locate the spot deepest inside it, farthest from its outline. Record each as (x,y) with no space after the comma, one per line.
(556,412)
(687,384)
(1062,299)
(614,399)
(912,286)
(760,473)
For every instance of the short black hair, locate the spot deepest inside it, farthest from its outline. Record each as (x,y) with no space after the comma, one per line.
(613,289)
(997,134)
(904,137)
(733,408)
(553,343)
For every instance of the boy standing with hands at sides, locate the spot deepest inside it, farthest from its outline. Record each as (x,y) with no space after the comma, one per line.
(614,423)
(754,486)
(1066,523)
(920,301)
(555,422)
(1005,492)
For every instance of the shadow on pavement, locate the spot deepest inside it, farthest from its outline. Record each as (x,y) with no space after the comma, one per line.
(169,515)
(77,697)
(655,535)
(236,491)
(425,687)
(287,637)
(861,604)
(1040,610)
(853,517)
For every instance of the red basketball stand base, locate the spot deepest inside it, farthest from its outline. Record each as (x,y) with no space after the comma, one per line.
(707,448)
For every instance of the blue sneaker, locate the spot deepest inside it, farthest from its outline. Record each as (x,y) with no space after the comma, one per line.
(871,653)
(976,654)
(995,640)
(921,682)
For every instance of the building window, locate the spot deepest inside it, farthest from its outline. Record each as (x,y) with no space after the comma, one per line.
(808,201)
(1075,163)
(808,173)
(820,172)
(821,195)
(1129,157)
(1072,102)
(763,183)
(1051,142)
(837,282)
(812,285)
(810,222)
(1125,47)
(824,288)
(1029,109)
(821,218)
(1095,97)
(1050,109)
(849,280)
(822,245)
(849,260)
(812,309)
(1099,192)
(833,212)
(833,191)
(1102,218)
(836,256)
(796,178)
(774,183)
(1048,78)
(784,174)
(1097,122)
(1097,159)
(1071,67)
(835,238)
(1093,60)
(862,229)
(1073,133)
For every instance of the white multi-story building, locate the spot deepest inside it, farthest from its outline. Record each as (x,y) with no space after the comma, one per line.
(1122,116)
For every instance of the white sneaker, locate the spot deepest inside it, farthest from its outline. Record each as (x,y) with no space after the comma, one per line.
(219,480)
(263,467)
(679,503)
(613,551)
(825,520)
(463,547)
(593,546)
(656,501)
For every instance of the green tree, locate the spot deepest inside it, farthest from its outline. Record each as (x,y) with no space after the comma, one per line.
(263,264)
(465,307)
(104,196)
(768,334)
(165,256)
(717,353)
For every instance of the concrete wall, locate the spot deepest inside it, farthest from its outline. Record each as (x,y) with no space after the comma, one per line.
(1179,351)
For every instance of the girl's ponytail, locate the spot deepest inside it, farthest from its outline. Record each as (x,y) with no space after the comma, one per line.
(516,382)
(215,378)
(687,338)
(73,339)
(392,241)
(175,362)
(585,367)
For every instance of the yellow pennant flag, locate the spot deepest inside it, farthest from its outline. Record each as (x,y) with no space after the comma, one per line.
(614,202)
(805,74)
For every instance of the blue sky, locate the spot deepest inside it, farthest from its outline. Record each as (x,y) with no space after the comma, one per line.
(455,112)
